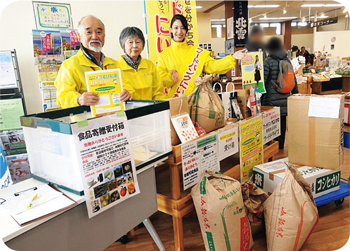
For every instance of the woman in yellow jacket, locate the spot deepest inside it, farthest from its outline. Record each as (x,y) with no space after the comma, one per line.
(180,63)
(140,76)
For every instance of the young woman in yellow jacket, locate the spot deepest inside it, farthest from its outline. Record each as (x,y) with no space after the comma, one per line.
(180,63)
(140,76)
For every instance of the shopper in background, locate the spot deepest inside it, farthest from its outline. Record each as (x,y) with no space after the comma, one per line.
(295,51)
(273,97)
(303,52)
(174,61)
(140,76)
(70,81)
(255,40)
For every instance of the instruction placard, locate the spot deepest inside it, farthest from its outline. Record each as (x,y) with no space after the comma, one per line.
(197,156)
(106,162)
(251,146)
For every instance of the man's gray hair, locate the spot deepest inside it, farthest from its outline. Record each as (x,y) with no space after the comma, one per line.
(88,16)
(129,32)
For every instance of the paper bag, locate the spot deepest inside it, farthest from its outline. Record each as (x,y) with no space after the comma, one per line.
(177,106)
(227,98)
(221,214)
(206,106)
(290,213)
(253,199)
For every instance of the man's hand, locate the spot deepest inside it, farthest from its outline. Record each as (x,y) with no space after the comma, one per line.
(125,96)
(88,98)
(174,75)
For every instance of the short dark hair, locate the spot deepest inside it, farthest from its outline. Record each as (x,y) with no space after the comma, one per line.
(130,32)
(295,48)
(303,47)
(256,29)
(274,44)
(182,20)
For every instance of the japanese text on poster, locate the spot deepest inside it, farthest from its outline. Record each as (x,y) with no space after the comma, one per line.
(108,85)
(198,156)
(159,15)
(10,112)
(271,124)
(52,15)
(240,23)
(253,71)
(251,146)
(106,162)
(7,71)
(228,141)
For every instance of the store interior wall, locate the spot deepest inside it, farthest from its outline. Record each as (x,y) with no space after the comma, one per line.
(340,26)
(304,40)
(323,39)
(16,33)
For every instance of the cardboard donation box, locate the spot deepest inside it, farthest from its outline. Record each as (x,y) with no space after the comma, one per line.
(315,130)
(322,181)
(347,109)
(177,106)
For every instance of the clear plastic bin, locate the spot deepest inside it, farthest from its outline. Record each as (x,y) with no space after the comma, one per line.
(51,146)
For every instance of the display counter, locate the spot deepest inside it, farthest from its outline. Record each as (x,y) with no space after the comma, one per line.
(346,83)
(329,86)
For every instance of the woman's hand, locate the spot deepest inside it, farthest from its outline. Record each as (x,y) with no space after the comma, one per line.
(240,55)
(88,98)
(125,96)
(174,75)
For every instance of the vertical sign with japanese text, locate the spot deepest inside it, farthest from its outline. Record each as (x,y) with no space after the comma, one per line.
(240,23)
(251,146)
(228,141)
(158,17)
(197,156)
(271,124)
(106,161)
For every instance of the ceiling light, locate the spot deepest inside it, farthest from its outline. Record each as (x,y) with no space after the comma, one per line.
(345,10)
(276,18)
(284,11)
(264,6)
(265,16)
(199,7)
(303,24)
(303,19)
(250,20)
(319,16)
(322,15)
(322,5)
(217,20)
(347,15)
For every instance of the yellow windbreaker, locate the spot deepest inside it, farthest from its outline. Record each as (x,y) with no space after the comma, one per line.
(70,81)
(175,56)
(143,84)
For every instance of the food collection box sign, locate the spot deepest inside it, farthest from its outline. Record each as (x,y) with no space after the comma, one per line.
(251,146)
(197,156)
(106,162)
(271,124)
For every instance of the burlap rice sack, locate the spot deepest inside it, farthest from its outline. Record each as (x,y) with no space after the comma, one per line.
(254,198)
(205,105)
(290,213)
(221,214)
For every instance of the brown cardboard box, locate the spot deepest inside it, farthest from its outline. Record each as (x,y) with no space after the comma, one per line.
(177,107)
(315,141)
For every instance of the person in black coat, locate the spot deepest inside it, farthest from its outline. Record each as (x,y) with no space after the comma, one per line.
(272,97)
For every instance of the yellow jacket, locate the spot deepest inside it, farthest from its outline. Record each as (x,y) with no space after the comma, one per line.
(143,84)
(172,58)
(70,81)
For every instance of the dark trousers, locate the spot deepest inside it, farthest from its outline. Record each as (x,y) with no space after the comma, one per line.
(281,139)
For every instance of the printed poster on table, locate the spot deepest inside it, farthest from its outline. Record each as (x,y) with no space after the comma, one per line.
(7,71)
(198,156)
(228,141)
(108,85)
(184,127)
(52,15)
(106,161)
(10,112)
(271,124)
(251,146)
(158,17)
(253,71)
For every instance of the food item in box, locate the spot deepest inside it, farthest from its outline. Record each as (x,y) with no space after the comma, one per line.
(205,105)
(221,214)
(177,106)
(310,118)
(290,213)
(254,198)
